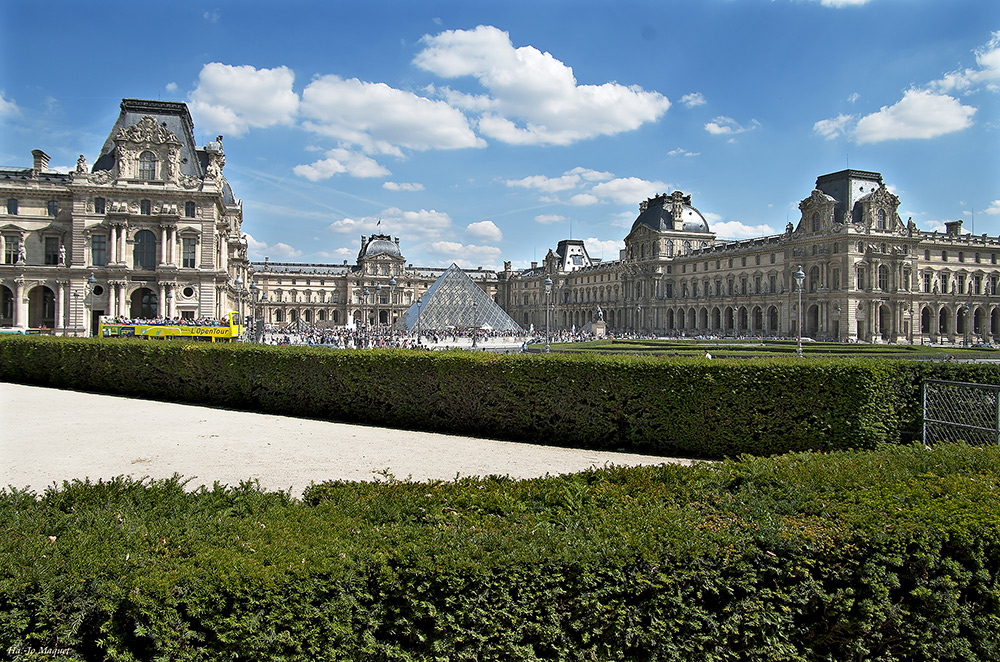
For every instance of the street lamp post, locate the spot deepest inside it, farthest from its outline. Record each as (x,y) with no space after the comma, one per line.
(238,283)
(91,282)
(364,316)
(378,300)
(170,296)
(253,309)
(416,324)
(800,277)
(548,293)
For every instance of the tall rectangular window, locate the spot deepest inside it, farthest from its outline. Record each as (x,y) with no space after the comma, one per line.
(99,250)
(927,283)
(189,244)
(12,206)
(53,208)
(99,205)
(11,249)
(51,250)
(189,209)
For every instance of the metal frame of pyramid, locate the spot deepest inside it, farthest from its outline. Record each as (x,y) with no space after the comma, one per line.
(455,301)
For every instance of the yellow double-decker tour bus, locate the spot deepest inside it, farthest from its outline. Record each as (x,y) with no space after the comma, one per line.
(228,329)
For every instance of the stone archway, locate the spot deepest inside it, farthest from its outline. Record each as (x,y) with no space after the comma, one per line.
(143,304)
(41,308)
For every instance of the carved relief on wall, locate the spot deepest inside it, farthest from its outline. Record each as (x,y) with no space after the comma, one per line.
(148,131)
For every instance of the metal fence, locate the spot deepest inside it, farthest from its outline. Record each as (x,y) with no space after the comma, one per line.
(960,411)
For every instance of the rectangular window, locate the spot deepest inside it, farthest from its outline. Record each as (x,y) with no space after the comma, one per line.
(145,207)
(771,284)
(12,206)
(51,250)
(927,283)
(53,208)
(11,249)
(189,209)
(99,250)
(861,279)
(99,205)
(189,244)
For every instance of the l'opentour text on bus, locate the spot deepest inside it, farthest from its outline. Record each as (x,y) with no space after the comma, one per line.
(224,330)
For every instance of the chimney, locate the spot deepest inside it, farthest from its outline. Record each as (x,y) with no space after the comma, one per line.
(534,265)
(41,161)
(954,228)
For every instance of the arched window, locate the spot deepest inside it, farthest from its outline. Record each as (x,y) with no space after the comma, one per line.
(880,215)
(815,220)
(144,250)
(147,166)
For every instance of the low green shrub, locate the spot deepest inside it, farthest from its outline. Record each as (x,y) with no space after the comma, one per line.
(887,555)
(673,406)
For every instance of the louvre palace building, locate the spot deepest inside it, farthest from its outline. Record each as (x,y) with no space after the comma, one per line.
(152,229)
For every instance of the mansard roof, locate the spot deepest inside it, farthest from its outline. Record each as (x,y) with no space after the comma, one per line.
(169,115)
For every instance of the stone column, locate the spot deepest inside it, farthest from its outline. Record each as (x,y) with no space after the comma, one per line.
(60,322)
(112,286)
(20,306)
(161,302)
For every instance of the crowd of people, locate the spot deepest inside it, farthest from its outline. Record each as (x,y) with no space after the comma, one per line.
(385,337)
(166,321)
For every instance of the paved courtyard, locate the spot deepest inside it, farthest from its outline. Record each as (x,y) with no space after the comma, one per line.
(52,435)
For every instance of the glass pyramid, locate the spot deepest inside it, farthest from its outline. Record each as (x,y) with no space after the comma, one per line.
(454,301)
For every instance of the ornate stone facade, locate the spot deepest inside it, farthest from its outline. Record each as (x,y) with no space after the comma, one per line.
(152,230)
(377,288)
(869,276)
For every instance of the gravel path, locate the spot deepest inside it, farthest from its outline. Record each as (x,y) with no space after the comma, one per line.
(51,435)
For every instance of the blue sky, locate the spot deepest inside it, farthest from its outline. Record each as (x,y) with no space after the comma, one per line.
(486,131)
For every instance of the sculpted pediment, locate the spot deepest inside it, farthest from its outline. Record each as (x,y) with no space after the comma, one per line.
(148,131)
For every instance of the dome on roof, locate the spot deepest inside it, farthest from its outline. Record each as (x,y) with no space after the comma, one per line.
(382,244)
(658,215)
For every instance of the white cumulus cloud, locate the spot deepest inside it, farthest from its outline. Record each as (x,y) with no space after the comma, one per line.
(605,249)
(7,106)
(531,97)
(416,225)
(546,219)
(341,161)
(484,231)
(627,190)
(234,99)
(727,126)
(994,208)
(987,74)
(382,119)
(919,114)
(468,256)
(258,250)
(403,186)
(693,99)
(737,230)
(832,128)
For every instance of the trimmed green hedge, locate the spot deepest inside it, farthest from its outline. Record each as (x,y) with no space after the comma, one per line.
(690,407)
(889,555)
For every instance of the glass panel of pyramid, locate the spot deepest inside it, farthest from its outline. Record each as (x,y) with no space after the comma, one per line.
(455,301)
